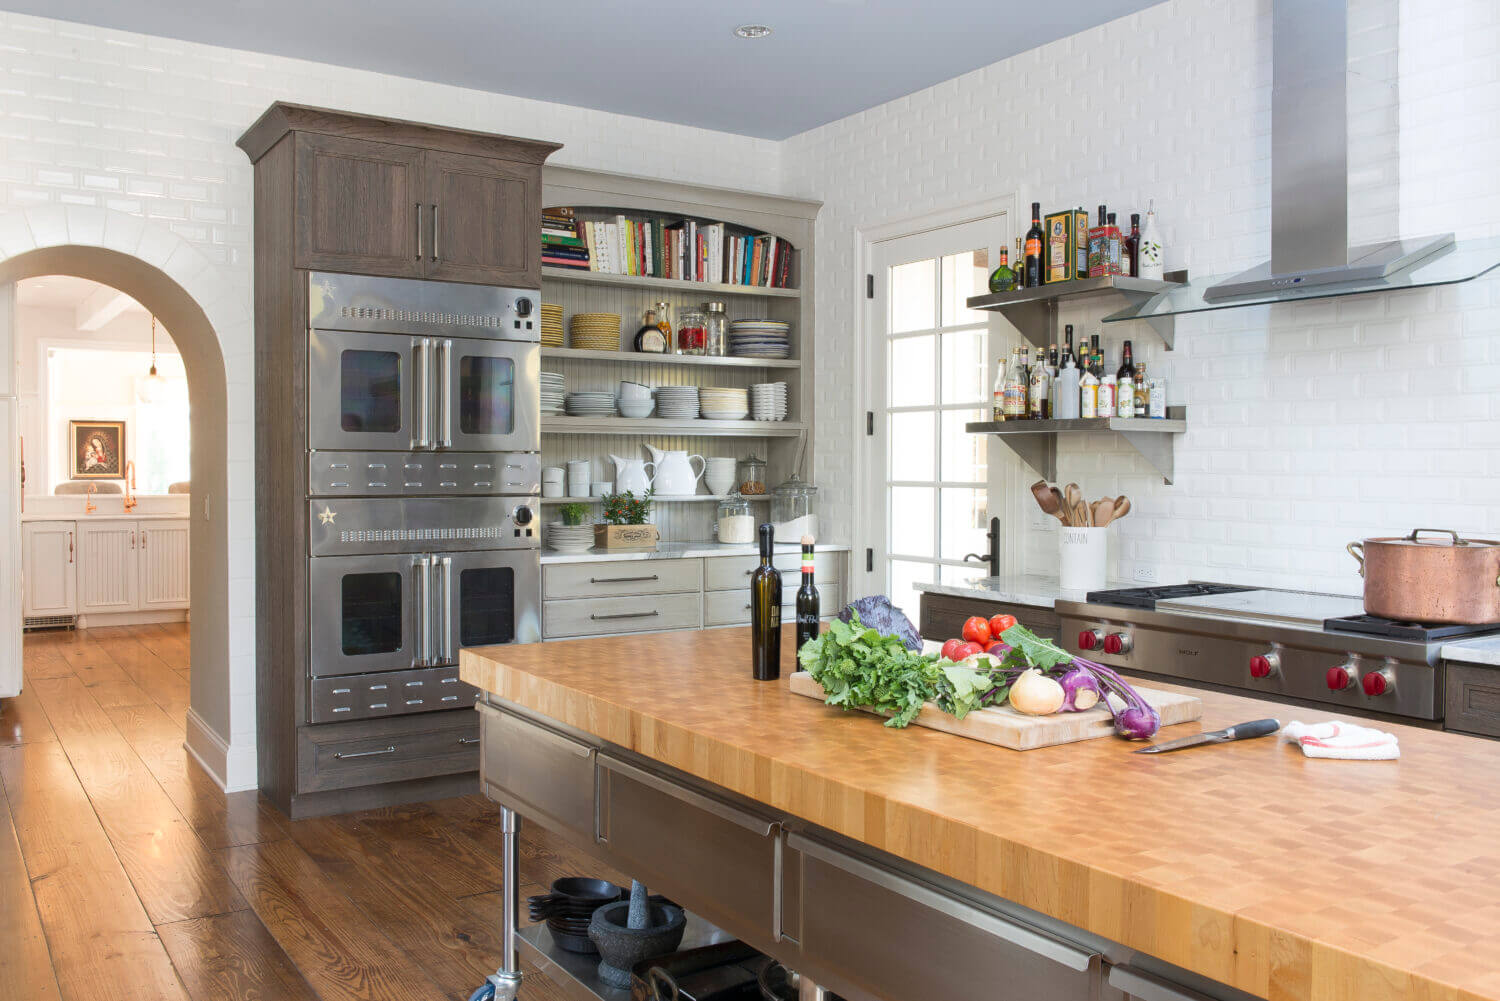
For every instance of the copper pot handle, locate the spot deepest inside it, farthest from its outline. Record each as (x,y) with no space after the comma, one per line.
(1360,556)
(1457,540)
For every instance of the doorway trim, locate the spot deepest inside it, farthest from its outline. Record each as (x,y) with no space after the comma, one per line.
(205,309)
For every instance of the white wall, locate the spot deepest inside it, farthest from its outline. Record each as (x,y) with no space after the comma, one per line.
(1311,424)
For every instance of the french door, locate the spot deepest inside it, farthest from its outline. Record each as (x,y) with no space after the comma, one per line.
(929,371)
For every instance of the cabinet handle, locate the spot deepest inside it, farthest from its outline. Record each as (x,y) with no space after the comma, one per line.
(434,232)
(70,547)
(419,231)
(445,393)
(625,615)
(132,540)
(621,580)
(143,539)
(340,755)
(468,740)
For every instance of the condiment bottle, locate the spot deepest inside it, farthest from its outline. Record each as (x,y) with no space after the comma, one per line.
(1088,395)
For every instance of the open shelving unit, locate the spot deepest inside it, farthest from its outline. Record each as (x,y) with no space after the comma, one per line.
(1034,311)
(661,425)
(641,358)
(661,499)
(1036,441)
(705,289)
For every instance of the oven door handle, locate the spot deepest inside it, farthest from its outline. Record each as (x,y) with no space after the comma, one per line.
(421,406)
(422,578)
(445,393)
(446,653)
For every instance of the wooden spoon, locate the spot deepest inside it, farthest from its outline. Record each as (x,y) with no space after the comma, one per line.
(1046,499)
(1122,507)
(1063,514)
(1082,515)
(1103,511)
(1073,496)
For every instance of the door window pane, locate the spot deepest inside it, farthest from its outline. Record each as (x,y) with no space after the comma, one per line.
(912,521)
(964,275)
(911,445)
(371,613)
(486,606)
(963,454)
(963,366)
(913,297)
(911,371)
(370,391)
(903,575)
(486,395)
(963,522)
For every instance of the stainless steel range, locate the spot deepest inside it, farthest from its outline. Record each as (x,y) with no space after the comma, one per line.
(423,477)
(1316,648)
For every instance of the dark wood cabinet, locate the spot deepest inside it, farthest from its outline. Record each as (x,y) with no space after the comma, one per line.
(358,207)
(484,220)
(1473,699)
(943,616)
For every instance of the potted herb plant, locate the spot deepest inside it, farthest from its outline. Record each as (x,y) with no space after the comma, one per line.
(623,523)
(573,514)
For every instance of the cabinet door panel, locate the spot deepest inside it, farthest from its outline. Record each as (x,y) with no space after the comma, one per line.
(48,562)
(485,223)
(357,206)
(107,567)
(163,556)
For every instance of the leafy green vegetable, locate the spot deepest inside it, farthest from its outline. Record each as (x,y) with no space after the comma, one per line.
(1030,650)
(862,667)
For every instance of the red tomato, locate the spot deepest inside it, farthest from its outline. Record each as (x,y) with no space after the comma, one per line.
(969,650)
(977,629)
(1000,623)
(951,649)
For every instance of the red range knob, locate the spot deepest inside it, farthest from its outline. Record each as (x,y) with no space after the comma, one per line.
(1088,639)
(1339,678)
(1117,643)
(1260,667)
(1376,683)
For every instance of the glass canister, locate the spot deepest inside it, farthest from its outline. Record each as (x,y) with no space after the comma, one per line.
(752,475)
(717,328)
(794,510)
(735,524)
(692,330)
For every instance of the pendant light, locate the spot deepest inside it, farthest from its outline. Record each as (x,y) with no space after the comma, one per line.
(153,387)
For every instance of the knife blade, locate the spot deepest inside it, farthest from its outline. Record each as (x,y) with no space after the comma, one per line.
(1240,731)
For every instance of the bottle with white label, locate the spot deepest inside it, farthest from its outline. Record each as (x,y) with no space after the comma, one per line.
(997,412)
(1125,390)
(1107,397)
(1088,395)
(1039,395)
(1157,397)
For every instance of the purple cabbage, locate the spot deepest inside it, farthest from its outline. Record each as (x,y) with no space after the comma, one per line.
(876,612)
(1079,682)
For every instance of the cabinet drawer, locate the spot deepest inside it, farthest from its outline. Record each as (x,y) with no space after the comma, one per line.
(536,770)
(340,755)
(598,616)
(621,578)
(860,924)
(732,608)
(692,845)
(722,573)
(388,693)
(1473,700)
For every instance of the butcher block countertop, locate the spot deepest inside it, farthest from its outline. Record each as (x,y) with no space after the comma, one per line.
(1284,876)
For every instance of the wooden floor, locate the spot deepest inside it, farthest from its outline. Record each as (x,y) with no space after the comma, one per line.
(126,873)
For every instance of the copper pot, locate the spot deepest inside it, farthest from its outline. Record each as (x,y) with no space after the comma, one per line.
(1446,580)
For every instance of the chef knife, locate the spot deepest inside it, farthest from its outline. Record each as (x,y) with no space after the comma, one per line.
(1240,731)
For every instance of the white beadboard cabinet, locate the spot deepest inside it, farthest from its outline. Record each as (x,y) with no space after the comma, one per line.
(50,568)
(107,573)
(115,570)
(163,559)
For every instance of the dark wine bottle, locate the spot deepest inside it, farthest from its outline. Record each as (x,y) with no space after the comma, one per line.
(1068,345)
(807,598)
(1032,265)
(1127,365)
(1132,263)
(765,613)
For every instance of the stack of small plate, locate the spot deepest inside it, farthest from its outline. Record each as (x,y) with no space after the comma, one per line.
(760,339)
(553,394)
(724,404)
(570,538)
(591,405)
(552,325)
(595,331)
(768,401)
(677,402)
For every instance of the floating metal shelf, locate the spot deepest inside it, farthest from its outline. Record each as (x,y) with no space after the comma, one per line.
(578,975)
(645,358)
(662,499)
(1034,311)
(660,425)
(666,284)
(1036,441)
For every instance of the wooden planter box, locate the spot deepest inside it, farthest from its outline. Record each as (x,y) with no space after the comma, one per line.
(626,537)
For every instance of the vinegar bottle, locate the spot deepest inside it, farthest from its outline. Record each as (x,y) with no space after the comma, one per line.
(765,613)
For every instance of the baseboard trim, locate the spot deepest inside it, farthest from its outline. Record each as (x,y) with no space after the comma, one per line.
(145,617)
(231,768)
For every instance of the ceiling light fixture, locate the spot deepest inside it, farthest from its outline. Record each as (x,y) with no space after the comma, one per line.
(153,386)
(753,30)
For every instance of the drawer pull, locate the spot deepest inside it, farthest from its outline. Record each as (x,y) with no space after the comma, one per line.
(415,702)
(379,705)
(449,698)
(468,740)
(621,580)
(341,709)
(341,755)
(624,615)
(341,691)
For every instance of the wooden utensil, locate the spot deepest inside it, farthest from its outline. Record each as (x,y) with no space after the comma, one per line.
(1103,510)
(1062,509)
(1082,516)
(1046,499)
(1122,507)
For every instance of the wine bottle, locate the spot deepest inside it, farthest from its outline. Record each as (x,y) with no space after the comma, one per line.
(997,407)
(1127,362)
(807,598)
(1033,260)
(765,612)
(1003,279)
(1125,385)
(1132,263)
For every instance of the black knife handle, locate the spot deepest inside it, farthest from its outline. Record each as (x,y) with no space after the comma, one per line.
(1255,728)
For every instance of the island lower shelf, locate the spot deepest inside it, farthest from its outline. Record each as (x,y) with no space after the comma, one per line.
(578,973)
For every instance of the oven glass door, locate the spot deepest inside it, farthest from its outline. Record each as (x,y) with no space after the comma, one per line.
(484,598)
(488,395)
(365,613)
(368,392)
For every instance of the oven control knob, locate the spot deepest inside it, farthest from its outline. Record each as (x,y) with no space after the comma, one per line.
(1117,643)
(1377,682)
(1340,678)
(1264,665)
(523,307)
(522,515)
(1090,639)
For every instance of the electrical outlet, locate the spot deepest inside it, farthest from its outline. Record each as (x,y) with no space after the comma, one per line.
(1144,575)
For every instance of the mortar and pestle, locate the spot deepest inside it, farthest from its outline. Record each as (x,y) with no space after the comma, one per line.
(627,932)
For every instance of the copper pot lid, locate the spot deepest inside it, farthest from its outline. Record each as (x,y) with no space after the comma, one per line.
(1447,538)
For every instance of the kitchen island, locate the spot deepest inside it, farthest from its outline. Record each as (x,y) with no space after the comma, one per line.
(1243,866)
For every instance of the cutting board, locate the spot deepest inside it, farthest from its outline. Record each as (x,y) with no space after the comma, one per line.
(1005,727)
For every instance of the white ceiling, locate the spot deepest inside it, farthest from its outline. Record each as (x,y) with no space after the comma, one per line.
(67,292)
(673,60)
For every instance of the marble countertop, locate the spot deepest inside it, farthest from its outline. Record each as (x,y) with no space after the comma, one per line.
(1479,650)
(1036,590)
(103,516)
(680,551)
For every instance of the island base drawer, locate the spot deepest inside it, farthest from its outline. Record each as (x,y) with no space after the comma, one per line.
(732,608)
(620,578)
(544,774)
(369,752)
(600,616)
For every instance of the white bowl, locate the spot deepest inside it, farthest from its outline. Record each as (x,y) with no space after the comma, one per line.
(642,409)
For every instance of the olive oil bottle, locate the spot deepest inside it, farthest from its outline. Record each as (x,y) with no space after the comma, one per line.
(765,612)
(807,598)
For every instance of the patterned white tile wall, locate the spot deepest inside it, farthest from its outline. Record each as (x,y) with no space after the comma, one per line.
(1311,424)
(127,141)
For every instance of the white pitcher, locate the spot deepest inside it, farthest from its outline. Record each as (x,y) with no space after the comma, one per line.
(631,475)
(675,476)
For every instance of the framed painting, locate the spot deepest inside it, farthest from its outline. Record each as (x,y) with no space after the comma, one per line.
(98,449)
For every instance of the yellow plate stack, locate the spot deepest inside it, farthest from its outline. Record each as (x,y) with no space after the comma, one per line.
(595,331)
(552,325)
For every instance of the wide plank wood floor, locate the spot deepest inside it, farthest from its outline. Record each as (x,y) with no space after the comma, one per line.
(124,868)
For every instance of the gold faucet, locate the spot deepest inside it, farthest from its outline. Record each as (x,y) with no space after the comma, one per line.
(130,501)
(89,507)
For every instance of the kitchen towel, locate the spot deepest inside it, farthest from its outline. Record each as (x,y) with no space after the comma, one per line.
(1337,739)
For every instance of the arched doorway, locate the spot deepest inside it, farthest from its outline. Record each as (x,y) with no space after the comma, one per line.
(214,717)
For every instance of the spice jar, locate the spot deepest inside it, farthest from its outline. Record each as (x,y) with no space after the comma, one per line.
(735,525)
(692,332)
(794,509)
(752,476)
(717,327)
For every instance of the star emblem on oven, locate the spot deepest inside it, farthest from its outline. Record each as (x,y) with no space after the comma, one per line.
(327,515)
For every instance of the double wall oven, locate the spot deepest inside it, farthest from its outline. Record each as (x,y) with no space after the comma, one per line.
(423,482)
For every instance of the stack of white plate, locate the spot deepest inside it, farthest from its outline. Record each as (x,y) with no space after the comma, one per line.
(677,402)
(591,404)
(570,538)
(724,404)
(553,394)
(760,339)
(768,401)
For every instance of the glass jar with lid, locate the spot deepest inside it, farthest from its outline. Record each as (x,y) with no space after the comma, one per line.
(794,510)
(692,330)
(735,525)
(752,475)
(717,330)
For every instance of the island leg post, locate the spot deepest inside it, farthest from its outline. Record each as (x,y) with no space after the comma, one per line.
(507,979)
